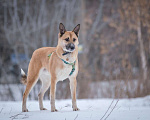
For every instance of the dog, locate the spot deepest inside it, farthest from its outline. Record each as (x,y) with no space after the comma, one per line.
(53,64)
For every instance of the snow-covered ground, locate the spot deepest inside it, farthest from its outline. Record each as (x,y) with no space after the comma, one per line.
(90,109)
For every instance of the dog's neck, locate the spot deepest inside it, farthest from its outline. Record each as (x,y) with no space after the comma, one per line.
(70,57)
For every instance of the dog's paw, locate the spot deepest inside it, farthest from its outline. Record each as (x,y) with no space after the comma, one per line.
(43,109)
(25,110)
(54,110)
(76,109)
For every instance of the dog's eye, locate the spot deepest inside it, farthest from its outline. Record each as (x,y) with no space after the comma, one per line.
(74,39)
(67,39)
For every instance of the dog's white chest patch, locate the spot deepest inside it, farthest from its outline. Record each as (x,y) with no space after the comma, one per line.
(64,73)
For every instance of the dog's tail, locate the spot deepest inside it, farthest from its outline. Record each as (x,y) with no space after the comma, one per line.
(23,77)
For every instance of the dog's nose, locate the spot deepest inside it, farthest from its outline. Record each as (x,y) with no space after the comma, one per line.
(72,46)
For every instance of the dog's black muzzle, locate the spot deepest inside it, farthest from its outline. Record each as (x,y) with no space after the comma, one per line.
(70,46)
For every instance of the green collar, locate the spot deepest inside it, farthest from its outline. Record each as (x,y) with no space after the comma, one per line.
(73,64)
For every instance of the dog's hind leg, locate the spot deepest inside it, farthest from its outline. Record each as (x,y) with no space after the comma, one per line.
(32,78)
(29,86)
(45,79)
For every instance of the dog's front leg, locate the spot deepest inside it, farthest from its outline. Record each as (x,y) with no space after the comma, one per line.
(73,84)
(52,94)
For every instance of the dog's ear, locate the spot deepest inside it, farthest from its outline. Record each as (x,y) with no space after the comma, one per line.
(62,29)
(76,30)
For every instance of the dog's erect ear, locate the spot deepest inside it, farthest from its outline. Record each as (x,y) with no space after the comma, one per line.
(76,30)
(62,29)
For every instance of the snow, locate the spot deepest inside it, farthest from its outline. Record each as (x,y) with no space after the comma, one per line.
(90,109)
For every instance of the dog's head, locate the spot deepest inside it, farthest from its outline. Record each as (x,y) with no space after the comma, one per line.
(68,40)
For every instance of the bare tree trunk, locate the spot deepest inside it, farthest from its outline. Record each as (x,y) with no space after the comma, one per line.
(83,37)
(142,51)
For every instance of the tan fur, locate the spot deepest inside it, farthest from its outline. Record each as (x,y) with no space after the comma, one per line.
(54,70)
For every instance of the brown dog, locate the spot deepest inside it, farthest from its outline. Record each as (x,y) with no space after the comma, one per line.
(53,64)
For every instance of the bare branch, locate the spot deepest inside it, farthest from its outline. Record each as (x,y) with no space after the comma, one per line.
(107,109)
(1,110)
(112,110)
(76,117)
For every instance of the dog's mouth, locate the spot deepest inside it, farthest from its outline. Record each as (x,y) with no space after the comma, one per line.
(69,48)
(67,51)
